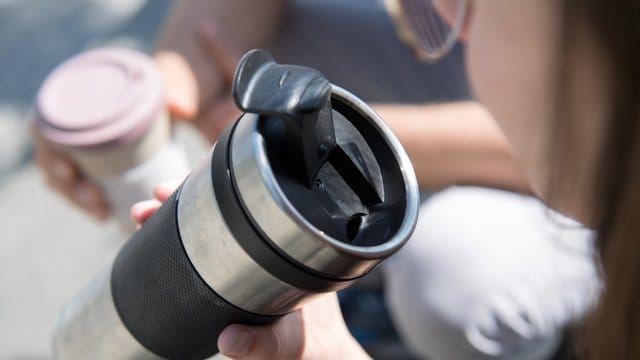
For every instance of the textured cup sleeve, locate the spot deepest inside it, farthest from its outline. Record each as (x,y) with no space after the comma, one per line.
(162,300)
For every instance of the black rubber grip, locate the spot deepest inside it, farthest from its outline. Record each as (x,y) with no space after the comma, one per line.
(162,300)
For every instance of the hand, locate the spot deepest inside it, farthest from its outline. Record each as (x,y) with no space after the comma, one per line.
(209,115)
(316,331)
(219,112)
(63,175)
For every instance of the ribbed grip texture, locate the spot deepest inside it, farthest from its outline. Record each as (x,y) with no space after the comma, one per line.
(162,300)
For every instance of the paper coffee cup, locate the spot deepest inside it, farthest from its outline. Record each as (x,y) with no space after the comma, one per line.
(105,108)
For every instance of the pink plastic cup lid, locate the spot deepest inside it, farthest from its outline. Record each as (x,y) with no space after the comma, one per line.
(103,96)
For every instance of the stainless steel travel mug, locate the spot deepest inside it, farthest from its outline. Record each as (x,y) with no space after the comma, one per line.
(105,108)
(305,193)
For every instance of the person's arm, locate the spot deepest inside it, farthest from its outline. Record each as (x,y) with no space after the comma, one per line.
(455,144)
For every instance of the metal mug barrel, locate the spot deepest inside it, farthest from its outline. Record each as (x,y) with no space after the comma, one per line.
(304,194)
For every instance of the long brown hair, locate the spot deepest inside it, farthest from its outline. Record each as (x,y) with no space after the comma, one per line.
(612,331)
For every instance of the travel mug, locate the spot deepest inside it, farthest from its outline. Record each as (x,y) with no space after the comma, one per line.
(105,108)
(304,194)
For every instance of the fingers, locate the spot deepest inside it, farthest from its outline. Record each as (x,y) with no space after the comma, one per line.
(142,211)
(62,175)
(80,192)
(210,115)
(180,85)
(89,197)
(282,340)
(317,331)
(163,191)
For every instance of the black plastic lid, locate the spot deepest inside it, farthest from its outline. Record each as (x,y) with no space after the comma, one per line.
(329,159)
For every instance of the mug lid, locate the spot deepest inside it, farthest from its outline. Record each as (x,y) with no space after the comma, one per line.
(319,174)
(103,96)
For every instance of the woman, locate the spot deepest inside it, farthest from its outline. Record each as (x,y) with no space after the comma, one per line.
(562,80)
(513,62)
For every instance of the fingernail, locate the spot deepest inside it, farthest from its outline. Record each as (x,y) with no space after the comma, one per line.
(235,341)
(61,170)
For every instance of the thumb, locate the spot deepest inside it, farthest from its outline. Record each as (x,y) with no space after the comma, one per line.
(181,93)
(282,340)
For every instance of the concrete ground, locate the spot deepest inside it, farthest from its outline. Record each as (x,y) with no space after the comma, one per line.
(48,249)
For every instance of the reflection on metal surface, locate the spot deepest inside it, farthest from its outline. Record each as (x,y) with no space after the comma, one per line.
(219,259)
